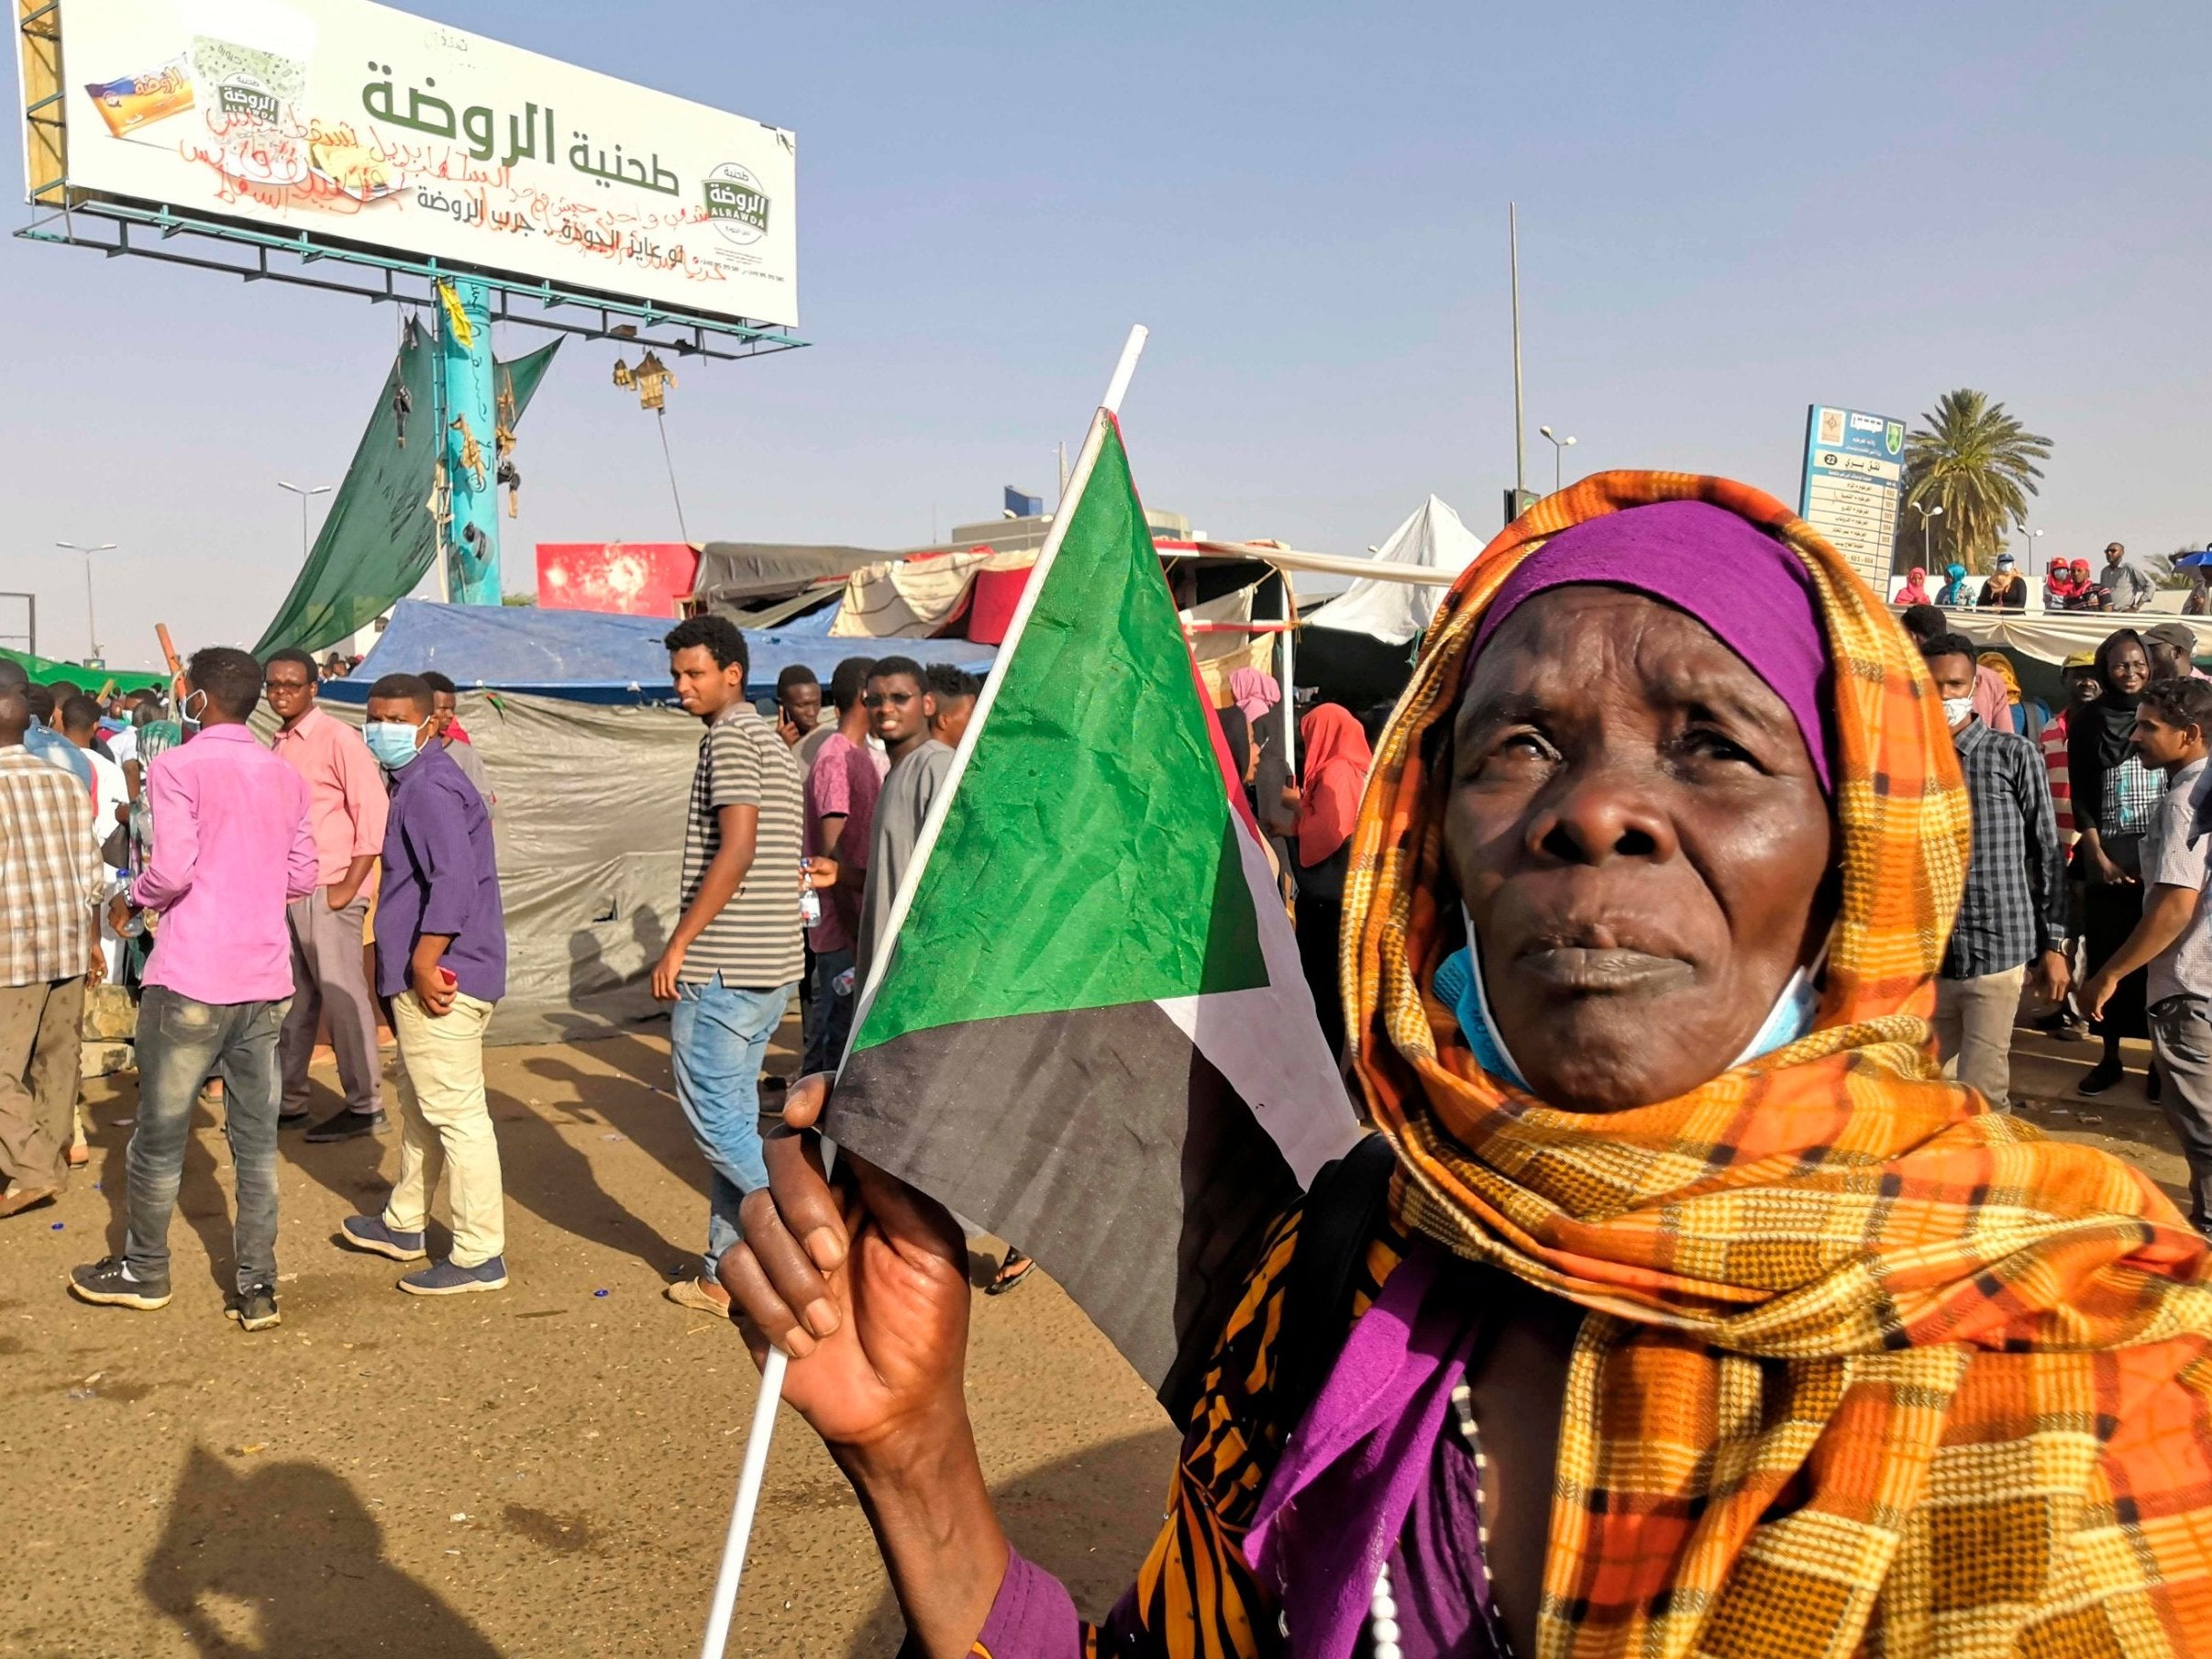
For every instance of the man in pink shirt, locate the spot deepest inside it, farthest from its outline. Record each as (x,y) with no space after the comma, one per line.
(347,806)
(841,790)
(235,849)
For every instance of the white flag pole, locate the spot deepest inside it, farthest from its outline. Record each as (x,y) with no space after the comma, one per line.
(753,1474)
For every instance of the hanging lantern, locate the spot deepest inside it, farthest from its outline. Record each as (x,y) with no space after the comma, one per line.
(653,380)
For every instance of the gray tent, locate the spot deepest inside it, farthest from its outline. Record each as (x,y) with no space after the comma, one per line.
(590,830)
(760,584)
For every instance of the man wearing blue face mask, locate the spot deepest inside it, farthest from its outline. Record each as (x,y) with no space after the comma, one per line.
(441,962)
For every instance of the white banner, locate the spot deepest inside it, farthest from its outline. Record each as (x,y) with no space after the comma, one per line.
(357,123)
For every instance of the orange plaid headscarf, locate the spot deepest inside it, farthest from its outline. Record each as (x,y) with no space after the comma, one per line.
(1867,1367)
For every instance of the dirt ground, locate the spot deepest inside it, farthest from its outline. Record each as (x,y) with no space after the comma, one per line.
(547,1471)
(542,1472)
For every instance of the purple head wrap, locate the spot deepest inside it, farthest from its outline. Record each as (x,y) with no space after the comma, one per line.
(1704,560)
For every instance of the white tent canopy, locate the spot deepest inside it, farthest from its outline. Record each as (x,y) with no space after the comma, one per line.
(2052,636)
(1397,608)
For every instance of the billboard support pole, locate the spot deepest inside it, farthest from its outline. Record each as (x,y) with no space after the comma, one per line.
(469,416)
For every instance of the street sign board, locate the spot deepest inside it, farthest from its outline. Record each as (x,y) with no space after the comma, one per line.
(349,124)
(1853,485)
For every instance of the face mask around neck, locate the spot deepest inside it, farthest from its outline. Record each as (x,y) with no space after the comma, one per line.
(1459,984)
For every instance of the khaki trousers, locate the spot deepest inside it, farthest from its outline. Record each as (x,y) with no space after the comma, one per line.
(41,1031)
(445,1127)
(1974,1031)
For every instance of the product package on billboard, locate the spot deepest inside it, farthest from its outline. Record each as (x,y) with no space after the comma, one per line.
(350,120)
(136,100)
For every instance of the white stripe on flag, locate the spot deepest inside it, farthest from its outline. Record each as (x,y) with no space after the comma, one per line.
(1267,1041)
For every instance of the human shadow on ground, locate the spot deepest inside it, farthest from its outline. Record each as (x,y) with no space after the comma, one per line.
(286,1560)
(1088,1519)
(558,1183)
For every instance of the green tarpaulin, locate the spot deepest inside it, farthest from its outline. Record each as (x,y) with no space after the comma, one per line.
(45,670)
(378,540)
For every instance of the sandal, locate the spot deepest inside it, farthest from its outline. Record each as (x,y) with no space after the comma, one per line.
(1011,1272)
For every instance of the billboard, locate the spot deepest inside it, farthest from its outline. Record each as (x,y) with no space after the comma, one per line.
(346,121)
(634,578)
(1853,486)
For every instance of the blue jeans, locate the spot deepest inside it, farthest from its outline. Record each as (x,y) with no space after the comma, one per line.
(182,1044)
(717,1036)
(829,1015)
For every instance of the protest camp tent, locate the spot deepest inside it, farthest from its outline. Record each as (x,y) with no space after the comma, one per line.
(759,584)
(591,765)
(45,670)
(1357,648)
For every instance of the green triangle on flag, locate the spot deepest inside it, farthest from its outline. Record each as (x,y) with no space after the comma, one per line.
(1097,800)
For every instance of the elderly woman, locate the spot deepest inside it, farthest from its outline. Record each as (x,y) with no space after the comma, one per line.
(1702,1316)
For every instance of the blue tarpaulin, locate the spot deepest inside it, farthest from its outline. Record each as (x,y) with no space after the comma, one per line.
(594,657)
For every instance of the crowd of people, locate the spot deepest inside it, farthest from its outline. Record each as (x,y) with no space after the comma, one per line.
(2088,868)
(251,896)
(2068,585)
(1648,792)
(263,899)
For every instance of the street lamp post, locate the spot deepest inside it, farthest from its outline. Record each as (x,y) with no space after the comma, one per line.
(1558,444)
(2030,536)
(1927,556)
(91,626)
(303,492)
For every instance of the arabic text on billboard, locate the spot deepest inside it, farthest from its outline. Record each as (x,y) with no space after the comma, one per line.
(1853,485)
(351,121)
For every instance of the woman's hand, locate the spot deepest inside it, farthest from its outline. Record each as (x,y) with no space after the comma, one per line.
(866,1288)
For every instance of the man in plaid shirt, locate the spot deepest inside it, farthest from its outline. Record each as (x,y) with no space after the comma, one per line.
(2013,907)
(49,946)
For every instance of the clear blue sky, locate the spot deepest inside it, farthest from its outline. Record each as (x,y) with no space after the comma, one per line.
(1727,212)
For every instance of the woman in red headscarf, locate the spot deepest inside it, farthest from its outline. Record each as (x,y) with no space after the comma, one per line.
(1337,758)
(1915,591)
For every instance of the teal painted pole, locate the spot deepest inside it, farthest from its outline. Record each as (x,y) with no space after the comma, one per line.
(471,452)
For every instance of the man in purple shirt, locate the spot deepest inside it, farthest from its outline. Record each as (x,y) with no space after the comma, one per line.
(441,962)
(236,848)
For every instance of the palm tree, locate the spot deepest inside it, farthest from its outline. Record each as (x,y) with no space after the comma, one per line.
(1978,464)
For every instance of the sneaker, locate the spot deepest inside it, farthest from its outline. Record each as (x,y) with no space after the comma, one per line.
(443,1278)
(699,1294)
(343,1124)
(369,1232)
(2099,1077)
(108,1282)
(292,1119)
(255,1310)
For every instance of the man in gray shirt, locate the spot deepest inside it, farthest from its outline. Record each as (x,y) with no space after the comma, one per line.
(2174,937)
(900,708)
(2132,589)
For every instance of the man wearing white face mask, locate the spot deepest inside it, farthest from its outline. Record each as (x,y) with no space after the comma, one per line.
(2014,908)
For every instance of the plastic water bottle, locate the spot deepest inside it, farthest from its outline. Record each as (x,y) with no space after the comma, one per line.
(810,901)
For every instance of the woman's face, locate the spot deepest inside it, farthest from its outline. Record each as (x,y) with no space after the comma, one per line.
(1642,843)
(2127,670)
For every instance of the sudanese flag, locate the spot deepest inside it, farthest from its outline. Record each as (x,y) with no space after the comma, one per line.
(1089,1032)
